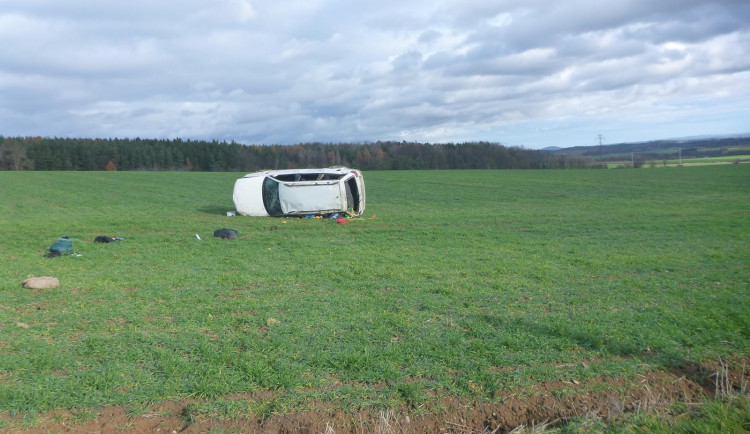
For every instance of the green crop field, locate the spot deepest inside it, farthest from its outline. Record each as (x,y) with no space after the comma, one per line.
(475,286)
(732,159)
(623,162)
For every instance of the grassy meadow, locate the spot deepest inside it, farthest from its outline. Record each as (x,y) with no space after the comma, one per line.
(466,284)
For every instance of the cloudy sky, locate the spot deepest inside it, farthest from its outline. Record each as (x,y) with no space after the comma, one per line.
(530,73)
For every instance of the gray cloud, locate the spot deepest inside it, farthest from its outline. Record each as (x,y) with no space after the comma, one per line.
(528,72)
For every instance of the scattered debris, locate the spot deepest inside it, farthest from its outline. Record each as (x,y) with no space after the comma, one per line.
(63,245)
(198,236)
(56,254)
(341,221)
(231,213)
(43,282)
(106,239)
(226,234)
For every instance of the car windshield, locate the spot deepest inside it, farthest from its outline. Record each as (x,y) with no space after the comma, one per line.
(271,197)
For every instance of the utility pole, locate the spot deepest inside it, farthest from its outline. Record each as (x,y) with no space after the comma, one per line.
(600,139)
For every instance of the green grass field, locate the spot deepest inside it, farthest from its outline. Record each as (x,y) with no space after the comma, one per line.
(728,159)
(467,284)
(687,162)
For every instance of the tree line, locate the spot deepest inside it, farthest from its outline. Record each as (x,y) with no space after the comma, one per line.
(53,153)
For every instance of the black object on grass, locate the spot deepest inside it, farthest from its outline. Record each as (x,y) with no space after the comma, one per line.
(227,234)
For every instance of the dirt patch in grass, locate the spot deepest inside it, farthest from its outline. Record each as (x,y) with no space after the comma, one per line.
(546,403)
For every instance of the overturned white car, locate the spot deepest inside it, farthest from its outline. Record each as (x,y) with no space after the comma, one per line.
(297,192)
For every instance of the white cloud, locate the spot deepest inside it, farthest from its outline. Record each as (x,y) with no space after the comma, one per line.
(522,72)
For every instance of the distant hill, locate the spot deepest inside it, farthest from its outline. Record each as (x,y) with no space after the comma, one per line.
(697,147)
(551,148)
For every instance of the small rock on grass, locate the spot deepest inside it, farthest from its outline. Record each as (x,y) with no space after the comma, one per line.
(43,282)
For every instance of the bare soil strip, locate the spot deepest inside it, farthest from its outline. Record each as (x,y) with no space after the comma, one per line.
(545,403)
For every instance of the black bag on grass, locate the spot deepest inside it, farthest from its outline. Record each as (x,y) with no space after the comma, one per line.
(105,239)
(227,234)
